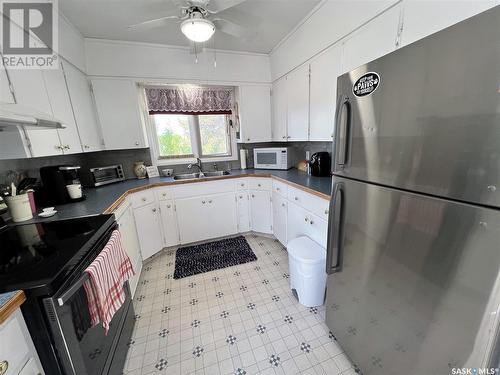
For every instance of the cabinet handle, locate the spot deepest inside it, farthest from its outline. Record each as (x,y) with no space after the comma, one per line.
(327,212)
(311,222)
(154,210)
(210,201)
(59,147)
(66,147)
(306,219)
(168,206)
(4,366)
(283,137)
(86,146)
(288,137)
(242,185)
(296,198)
(259,185)
(137,143)
(164,194)
(248,139)
(143,199)
(253,196)
(278,189)
(282,205)
(203,202)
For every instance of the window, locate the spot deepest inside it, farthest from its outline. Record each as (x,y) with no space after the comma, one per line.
(184,136)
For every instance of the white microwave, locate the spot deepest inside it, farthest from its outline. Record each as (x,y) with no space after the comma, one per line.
(273,158)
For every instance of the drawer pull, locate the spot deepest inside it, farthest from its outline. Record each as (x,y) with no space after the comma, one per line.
(203,202)
(242,185)
(4,366)
(253,196)
(306,219)
(311,222)
(259,185)
(164,194)
(168,206)
(210,201)
(241,196)
(282,205)
(296,198)
(326,212)
(143,199)
(154,210)
(278,189)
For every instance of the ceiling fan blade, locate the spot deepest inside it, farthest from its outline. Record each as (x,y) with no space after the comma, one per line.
(152,23)
(217,6)
(233,29)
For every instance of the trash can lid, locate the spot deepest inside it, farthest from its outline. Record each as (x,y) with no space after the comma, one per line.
(306,250)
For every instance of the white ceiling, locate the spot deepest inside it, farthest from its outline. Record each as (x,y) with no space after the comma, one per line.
(268,20)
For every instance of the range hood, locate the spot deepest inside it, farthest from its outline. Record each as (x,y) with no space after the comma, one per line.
(14,115)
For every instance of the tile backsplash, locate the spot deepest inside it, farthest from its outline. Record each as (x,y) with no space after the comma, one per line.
(127,158)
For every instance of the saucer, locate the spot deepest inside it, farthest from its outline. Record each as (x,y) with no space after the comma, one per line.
(47,213)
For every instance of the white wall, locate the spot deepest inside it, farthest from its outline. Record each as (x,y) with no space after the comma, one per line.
(142,61)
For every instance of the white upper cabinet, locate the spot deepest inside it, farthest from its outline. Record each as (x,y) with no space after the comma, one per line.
(373,40)
(422,18)
(61,108)
(255,113)
(117,103)
(5,94)
(30,90)
(323,93)
(279,105)
(297,83)
(83,108)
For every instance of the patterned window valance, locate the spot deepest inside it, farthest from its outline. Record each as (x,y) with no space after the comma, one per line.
(190,100)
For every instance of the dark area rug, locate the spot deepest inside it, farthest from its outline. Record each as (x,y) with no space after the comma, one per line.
(192,260)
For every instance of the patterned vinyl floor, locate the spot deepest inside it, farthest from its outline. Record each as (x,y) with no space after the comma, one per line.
(238,320)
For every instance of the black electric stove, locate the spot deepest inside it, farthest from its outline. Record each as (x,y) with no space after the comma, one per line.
(47,260)
(37,258)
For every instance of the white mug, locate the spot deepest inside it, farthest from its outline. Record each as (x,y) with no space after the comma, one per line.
(74,191)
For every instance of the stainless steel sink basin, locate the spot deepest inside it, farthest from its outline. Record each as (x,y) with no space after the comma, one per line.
(187,176)
(216,173)
(194,176)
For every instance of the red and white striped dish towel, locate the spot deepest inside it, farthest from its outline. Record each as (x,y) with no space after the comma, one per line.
(107,274)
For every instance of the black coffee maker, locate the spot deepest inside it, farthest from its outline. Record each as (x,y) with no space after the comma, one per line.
(320,164)
(55,178)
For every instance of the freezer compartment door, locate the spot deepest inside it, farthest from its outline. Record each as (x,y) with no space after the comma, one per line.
(414,281)
(427,118)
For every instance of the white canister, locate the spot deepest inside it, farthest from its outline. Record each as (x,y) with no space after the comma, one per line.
(74,191)
(243,158)
(19,207)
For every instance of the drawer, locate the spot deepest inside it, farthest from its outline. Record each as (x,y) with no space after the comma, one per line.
(260,184)
(142,198)
(164,193)
(310,202)
(242,183)
(13,345)
(280,188)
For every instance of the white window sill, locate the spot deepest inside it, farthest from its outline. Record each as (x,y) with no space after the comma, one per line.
(215,159)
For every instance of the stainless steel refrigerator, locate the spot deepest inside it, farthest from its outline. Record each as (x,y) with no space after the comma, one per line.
(414,232)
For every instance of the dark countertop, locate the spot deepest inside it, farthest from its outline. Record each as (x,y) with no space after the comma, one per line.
(100,198)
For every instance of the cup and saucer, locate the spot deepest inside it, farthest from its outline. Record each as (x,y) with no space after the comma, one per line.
(47,212)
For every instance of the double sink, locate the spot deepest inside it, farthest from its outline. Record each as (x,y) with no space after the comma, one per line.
(194,176)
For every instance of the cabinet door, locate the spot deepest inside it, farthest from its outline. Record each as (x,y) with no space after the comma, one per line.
(117,104)
(5,94)
(255,113)
(192,219)
(149,231)
(260,211)
(169,222)
(130,241)
(417,23)
(324,72)
(243,211)
(83,108)
(279,106)
(30,90)
(373,40)
(222,217)
(300,222)
(298,104)
(61,108)
(279,218)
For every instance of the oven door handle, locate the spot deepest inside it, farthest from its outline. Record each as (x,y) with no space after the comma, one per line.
(68,293)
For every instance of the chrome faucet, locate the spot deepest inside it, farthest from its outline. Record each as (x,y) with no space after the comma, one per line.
(198,165)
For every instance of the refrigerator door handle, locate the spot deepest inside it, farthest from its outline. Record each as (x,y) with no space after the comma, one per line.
(343,129)
(334,252)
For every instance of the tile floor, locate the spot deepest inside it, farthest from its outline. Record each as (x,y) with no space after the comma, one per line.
(237,320)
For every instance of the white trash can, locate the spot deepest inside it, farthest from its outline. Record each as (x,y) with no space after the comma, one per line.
(307,261)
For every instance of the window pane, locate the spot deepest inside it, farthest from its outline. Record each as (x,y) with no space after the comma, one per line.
(174,136)
(213,134)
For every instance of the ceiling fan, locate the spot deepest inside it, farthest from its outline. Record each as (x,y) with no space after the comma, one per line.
(199,19)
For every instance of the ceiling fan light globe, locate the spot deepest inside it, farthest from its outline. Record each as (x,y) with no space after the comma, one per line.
(198,30)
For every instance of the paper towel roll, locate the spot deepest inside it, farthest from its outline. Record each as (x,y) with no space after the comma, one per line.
(243,159)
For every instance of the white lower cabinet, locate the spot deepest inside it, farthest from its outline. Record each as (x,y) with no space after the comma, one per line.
(16,347)
(279,218)
(130,242)
(211,216)
(243,211)
(149,229)
(169,222)
(260,211)
(303,223)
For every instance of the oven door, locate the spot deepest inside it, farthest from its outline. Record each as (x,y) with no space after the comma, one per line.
(83,349)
